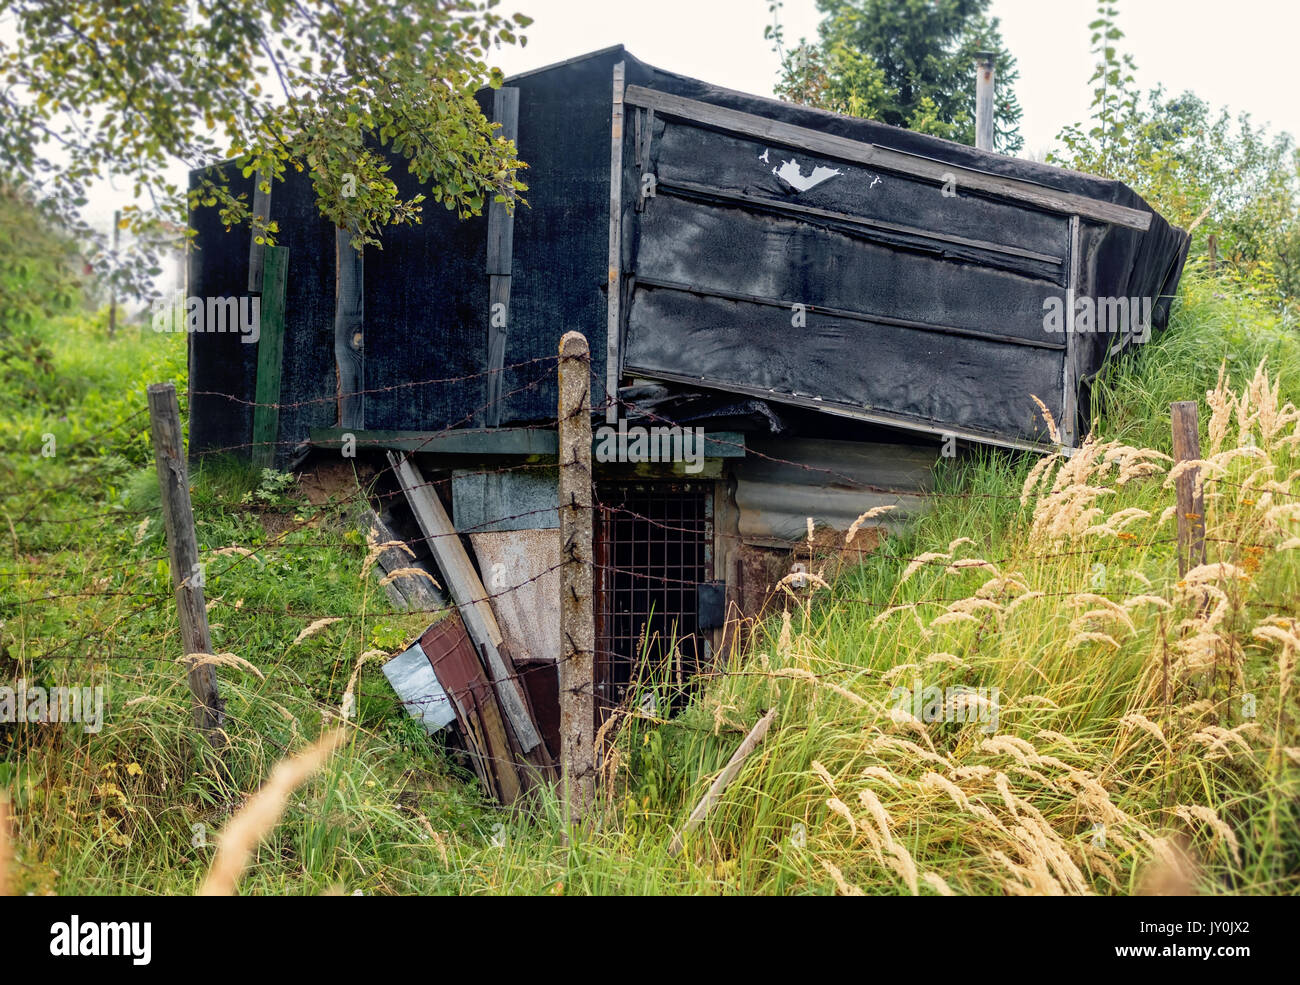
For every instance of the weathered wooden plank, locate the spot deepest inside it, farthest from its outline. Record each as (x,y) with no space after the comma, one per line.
(1189,493)
(984,74)
(614,287)
(270,358)
(840,410)
(256,250)
(498,336)
(501,220)
(468,593)
(349,328)
(501,255)
(500,260)
(1070,373)
(412,591)
(803,138)
(821,309)
(498,441)
(724,779)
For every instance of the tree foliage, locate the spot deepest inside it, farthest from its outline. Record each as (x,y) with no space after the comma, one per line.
(908,63)
(98,88)
(1210,172)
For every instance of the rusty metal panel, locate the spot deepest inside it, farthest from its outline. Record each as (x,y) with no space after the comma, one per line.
(451,653)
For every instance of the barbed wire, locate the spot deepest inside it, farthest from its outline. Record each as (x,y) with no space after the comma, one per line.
(333,398)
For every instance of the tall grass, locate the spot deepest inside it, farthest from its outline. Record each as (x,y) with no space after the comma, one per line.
(1146,732)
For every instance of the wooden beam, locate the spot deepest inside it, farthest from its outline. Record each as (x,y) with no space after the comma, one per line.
(501,219)
(468,593)
(614,287)
(861,152)
(410,591)
(349,327)
(1190,494)
(469,441)
(1070,368)
(719,786)
(845,410)
(984,73)
(500,258)
(270,358)
(498,335)
(521,441)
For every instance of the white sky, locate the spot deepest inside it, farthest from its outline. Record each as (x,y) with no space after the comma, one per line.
(1241,54)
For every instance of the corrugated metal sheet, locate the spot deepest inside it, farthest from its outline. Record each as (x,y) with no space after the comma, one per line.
(834,482)
(412,677)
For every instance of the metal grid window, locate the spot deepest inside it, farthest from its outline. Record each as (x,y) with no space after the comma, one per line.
(653,546)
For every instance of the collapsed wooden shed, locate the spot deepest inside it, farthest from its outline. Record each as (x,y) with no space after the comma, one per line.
(829,299)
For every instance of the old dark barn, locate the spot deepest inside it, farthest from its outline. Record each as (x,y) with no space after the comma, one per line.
(832,301)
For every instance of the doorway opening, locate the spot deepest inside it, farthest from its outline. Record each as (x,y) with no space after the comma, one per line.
(653,545)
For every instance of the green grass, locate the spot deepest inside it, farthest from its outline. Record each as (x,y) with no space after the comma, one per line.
(392,813)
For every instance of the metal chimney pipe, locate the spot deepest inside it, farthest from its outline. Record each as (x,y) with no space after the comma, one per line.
(984,100)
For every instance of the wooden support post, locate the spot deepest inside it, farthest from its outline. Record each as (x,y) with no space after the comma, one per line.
(984,100)
(1185,423)
(349,327)
(577,620)
(1212,252)
(182,545)
(261,217)
(500,258)
(614,297)
(270,357)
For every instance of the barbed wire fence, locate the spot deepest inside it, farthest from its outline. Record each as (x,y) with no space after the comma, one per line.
(575,664)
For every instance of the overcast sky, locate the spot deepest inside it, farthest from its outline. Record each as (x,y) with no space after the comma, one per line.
(1240,54)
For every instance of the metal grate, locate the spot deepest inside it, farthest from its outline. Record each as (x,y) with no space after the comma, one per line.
(653,546)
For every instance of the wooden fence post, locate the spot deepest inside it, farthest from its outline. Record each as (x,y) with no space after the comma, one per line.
(1185,424)
(182,545)
(577,620)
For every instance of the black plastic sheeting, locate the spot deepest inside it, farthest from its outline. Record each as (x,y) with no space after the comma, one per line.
(708,282)
(918,304)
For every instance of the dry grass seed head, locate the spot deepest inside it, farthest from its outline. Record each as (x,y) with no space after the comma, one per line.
(262,812)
